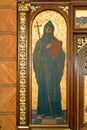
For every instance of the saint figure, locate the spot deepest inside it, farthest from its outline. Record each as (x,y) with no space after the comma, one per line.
(48,62)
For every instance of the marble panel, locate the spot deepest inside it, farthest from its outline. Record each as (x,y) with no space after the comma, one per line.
(8,20)
(7,72)
(8,46)
(7,99)
(8,122)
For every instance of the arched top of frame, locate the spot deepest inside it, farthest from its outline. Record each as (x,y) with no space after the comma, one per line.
(60,9)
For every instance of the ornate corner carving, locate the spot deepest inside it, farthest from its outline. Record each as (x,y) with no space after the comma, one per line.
(23,6)
(65,9)
(22,68)
(81,41)
(34,8)
(27,6)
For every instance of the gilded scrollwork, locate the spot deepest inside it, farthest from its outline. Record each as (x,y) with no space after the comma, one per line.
(22,68)
(34,8)
(65,9)
(81,41)
(27,6)
(23,6)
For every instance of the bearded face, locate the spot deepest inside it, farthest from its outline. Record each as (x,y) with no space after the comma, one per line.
(48,34)
(48,30)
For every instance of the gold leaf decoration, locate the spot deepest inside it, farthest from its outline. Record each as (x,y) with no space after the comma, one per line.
(22,68)
(81,41)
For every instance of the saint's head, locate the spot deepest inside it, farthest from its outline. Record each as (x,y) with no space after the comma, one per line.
(48,28)
(48,34)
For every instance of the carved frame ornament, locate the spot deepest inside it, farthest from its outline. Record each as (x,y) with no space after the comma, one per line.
(23,110)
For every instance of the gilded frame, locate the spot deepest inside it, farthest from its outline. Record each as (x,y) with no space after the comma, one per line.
(26,13)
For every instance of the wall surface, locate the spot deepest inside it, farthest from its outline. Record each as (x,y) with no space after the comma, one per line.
(7,64)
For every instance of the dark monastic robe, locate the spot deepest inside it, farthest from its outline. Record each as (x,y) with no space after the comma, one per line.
(48,61)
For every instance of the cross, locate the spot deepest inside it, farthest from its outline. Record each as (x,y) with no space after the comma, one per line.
(37,25)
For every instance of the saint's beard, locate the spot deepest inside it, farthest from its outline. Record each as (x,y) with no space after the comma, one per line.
(49,37)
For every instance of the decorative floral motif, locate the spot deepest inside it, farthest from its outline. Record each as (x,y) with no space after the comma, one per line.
(27,6)
(81,41)
(65,9)
(22,68)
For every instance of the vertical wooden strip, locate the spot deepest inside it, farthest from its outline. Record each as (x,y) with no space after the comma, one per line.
(22,78)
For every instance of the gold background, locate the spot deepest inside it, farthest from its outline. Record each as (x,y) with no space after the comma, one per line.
(61,33)
(85,98)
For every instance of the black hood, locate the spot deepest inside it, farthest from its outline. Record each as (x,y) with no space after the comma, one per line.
(47,38)
(50,25)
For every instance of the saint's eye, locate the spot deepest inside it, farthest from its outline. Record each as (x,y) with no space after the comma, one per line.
(48,30)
